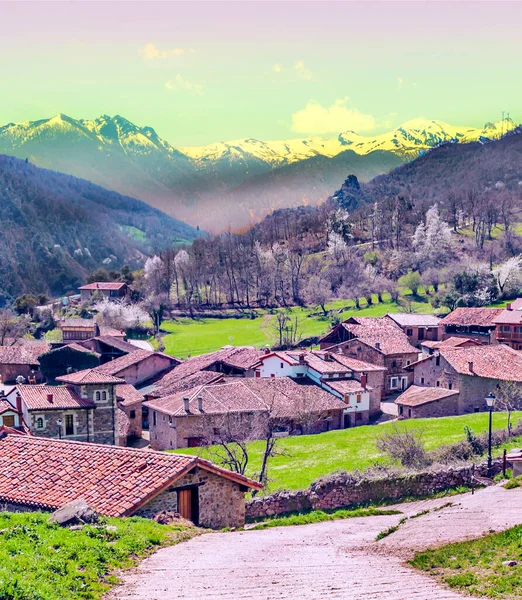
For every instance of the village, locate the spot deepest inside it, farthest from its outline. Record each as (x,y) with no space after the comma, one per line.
(105,409)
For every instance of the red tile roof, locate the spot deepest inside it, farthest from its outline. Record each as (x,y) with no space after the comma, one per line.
(115,342)
(452,342)
(493,362)
(482,317)
(103,285)
(89,376)
(117,365)
(77,322)
(21,355)
(104,331)
(380,333)
(284,396)
(114,481)
(38,397)
(417,396)
(414,319)
(511,315)
(323,361)
(78,348)
(6,406)
(346,386)
(169,385)
(128,395)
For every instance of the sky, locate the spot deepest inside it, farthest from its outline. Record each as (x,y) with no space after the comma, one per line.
(200,72)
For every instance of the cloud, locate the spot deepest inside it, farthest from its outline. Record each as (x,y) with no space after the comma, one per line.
(303,72)
(277,68)
(317,119)
(400,82)
(180,84)
(152,52)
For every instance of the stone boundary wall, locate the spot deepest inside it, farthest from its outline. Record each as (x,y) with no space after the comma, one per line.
(344,489)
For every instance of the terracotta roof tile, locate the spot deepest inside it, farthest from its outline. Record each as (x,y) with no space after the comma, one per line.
(103,285)
(128,395)
(114,481)
(114,367)
(414,319)
(494,362)
(482,317)
(452,342)
(77,322)
(346,386)
(21,355)
(417,396)
(115,342)
(6,406)
(88,376)
(51,397)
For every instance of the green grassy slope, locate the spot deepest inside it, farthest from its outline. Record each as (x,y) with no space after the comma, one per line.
(309,457)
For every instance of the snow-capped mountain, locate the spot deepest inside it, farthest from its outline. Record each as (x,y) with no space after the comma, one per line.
(195,183)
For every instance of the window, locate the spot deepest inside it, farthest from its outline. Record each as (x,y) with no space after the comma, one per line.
(104,396)
(401,410)
(39,423)
(437,361)
(216,430)
(358,416)
(394,383)
(300,375)
(450,386)
(272,375)
(394,363)
(438,383)
(258,373)
(132,414)
(409,412)
(409,332)
(407,362)
(97,397)
(8,420)
(422,380)
(282,365)
(154,418)
(358,398)
(69,425)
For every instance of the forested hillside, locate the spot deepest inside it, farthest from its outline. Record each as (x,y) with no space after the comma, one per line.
(56,228)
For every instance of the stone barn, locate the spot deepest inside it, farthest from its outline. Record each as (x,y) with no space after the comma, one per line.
(119,482)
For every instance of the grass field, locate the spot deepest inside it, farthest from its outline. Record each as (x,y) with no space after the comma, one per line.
(308,457)
(188,337)
(43,561)
(476,567)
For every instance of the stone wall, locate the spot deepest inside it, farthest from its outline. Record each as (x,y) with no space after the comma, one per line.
(344,489)
(438,408)
(221,501)
(51,428)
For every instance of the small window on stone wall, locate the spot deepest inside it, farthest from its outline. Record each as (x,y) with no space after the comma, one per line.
(39,423)
(104,396)
(132,414)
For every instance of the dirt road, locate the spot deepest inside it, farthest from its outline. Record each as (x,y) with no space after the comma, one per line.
(335,560)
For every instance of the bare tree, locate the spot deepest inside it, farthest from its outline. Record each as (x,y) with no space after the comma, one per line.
(509,399)
(12,328)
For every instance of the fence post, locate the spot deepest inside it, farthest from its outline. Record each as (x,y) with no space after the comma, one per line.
(504,463)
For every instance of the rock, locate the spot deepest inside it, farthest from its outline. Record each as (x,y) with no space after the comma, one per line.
(74,513)
(510,563)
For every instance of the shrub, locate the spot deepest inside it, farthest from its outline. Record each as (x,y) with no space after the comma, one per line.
(405,446)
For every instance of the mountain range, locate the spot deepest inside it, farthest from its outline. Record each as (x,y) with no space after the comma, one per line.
(57,228)
(227,184)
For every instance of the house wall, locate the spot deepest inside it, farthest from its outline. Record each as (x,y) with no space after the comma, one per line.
(204,427)
(444,407)
(221,501)
(145,369)
(484,335)
(51,428)
(394,363)
(273,366)
(429,334)
(473,392)
(9,373)
(10,414)
(127,426)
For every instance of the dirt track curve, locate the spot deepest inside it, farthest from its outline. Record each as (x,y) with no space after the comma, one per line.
(338,559)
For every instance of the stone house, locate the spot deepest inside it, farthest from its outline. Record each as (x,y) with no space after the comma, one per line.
(422,402)
(417,327)
(66,359)
(78,330)
(474,323)
(109,347)
(377,341)
(245,408)
(119,482)
(21,360)
(508,325)
(139,366)
(84,409)
(110,290)
(357,383)
(474,372)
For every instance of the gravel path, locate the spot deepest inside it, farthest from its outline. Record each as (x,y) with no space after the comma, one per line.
(335,560)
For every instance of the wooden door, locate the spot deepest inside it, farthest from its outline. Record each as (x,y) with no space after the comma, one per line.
(185,504)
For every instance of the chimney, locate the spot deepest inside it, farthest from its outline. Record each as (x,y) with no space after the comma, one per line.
(508,306)
(50,398)
(364,380)
(378,345)
(470,366)
(19,403)
(267,350)
(302,359)
(327,356)
(200,403)
(186,404)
